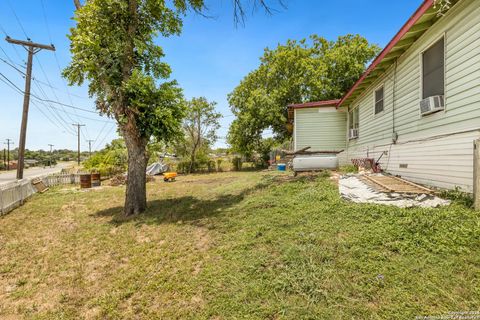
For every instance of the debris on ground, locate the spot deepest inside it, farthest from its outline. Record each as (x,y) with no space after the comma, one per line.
(121,179)
(354,188)
(118,180)
(157,168)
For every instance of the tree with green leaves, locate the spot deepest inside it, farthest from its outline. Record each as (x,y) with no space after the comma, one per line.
(113,50)
(295,72)
(110,160)
(200,127)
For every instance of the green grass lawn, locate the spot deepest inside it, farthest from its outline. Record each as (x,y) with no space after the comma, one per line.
(249,245)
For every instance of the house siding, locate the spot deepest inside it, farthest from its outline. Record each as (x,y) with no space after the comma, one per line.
(322,129)
(436,149)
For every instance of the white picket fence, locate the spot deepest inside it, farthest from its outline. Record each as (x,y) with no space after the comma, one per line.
(14,194)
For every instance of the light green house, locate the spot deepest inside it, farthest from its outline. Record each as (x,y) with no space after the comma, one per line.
(319,125)
(418,103)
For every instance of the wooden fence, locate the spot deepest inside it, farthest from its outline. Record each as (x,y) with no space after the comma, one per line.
(14,194)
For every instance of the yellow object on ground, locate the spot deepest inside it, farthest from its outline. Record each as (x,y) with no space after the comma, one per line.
(169,176)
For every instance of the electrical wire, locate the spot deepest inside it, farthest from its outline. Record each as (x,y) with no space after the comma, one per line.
(15,88)
(18,20)
(48,100)
(45,100)
(108,133)
(12,65)
(44,11)
(99,134)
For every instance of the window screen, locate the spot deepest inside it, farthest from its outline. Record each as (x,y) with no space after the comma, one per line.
(433,70)
(379,100)
(353,119)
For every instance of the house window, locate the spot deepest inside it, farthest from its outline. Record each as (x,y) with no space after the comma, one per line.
(379,100)
(353,123)
(433,66)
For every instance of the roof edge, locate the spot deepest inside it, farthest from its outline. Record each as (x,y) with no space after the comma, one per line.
(406,27)
(313,104)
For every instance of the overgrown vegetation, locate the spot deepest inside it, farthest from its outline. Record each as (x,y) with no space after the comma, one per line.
(244,245)
(458,196)
(110,160)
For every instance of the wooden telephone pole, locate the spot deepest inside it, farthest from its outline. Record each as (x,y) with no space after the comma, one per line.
(51,157)
(78,125)
(8,143)
(90,147)
(32,48)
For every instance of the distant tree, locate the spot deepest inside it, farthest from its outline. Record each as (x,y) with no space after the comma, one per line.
(295,72)
(200,127)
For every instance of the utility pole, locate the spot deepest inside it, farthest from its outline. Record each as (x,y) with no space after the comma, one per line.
(8,143)
(50,161)
(32,48)
(78,125)
(90,147)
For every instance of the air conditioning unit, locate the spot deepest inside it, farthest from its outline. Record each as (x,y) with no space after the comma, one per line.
(353,134)
(432,104)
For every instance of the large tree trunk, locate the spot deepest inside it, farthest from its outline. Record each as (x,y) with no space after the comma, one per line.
(136,195)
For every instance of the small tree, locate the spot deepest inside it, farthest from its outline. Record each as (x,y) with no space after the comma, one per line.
(200,126)
(113,49)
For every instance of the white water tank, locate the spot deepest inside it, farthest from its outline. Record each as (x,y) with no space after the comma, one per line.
(315,162)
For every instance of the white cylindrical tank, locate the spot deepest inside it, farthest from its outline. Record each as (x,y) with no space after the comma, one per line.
(315,162)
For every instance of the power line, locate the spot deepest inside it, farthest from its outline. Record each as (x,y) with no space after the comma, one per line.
(101,131)
(44,11)
(105,137)
(3,30)
(18,20)
(49,107)
(54,111)
(38,60)
(32,49)
(12,65)
(48,100)
(47,117)
(46,20)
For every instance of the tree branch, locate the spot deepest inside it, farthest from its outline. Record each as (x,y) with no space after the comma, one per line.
(78,4)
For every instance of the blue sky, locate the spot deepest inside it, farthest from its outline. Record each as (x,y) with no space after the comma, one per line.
(208,59)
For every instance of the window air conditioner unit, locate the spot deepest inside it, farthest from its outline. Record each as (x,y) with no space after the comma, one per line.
(353,134)
(432,104)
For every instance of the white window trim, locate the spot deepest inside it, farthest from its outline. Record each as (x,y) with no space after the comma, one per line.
(381,85)
(420,58)
(348,122)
